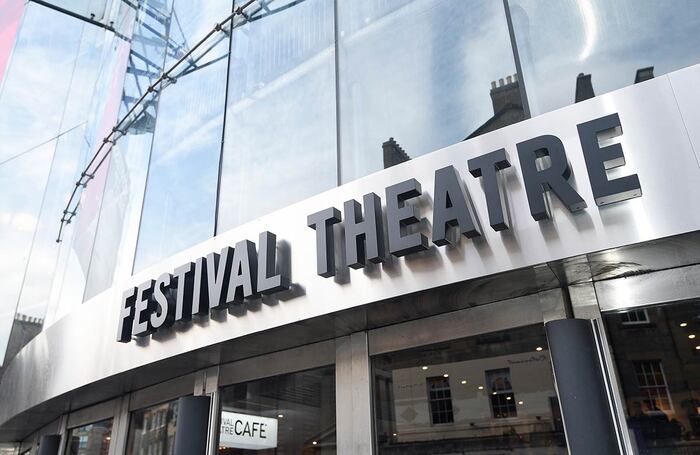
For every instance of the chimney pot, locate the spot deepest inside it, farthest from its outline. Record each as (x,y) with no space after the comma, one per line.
(493,85)
(500,82)
(509,79)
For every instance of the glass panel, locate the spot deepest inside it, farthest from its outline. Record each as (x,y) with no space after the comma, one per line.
(33,113)
(289,414)
(115,243)
(180,201)
(93,439)
(69,158)
(491,393)
(280,140)
(658,364)
(609,45)
(152,430)
(417,75)
(18,218)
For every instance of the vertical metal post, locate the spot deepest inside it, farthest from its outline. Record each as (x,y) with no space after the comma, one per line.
(192,425)
(583,398)
(120,427)
(516,58)
(353,390)
(50,444)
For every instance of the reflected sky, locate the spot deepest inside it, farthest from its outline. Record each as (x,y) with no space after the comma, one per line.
(418,71)
(609,40)
(280,140)
(180,200)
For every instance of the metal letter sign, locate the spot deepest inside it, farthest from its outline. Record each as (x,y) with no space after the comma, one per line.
(237,274)
(244,431)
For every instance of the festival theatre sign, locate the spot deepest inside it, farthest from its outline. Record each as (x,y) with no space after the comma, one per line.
(236,274)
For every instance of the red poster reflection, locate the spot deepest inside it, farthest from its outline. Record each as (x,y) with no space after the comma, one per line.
(10,17)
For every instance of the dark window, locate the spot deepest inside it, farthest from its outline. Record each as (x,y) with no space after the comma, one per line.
(440,399)
(501,394)
(635,317)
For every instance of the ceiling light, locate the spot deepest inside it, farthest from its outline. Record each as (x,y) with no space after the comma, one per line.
(464,381)
(684,324)
(538,348)
(423,368)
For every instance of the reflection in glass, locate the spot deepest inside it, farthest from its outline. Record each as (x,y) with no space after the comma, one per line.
(152,430)
(301,405)
(280,138)
(93,439)
(115,241)
(483,394)
(658,363)
(570,51)
(43,134)
(180,200)
(419,75)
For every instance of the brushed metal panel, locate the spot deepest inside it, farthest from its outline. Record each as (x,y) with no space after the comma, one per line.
(302,358)
(652,288)
(686,87)
(502,315)
(79,349)
(353,379)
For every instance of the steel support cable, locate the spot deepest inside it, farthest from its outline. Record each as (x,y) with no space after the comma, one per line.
(119,129)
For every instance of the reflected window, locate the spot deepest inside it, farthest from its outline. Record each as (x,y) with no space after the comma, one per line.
(152,430)
(487,393)
(93,439)
(440,398)
(635,317)
(292,413)
(658,364)
(501,394)
(415,76)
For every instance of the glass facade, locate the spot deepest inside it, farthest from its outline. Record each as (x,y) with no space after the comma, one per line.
(291,99)
(488,393)
(288,414)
